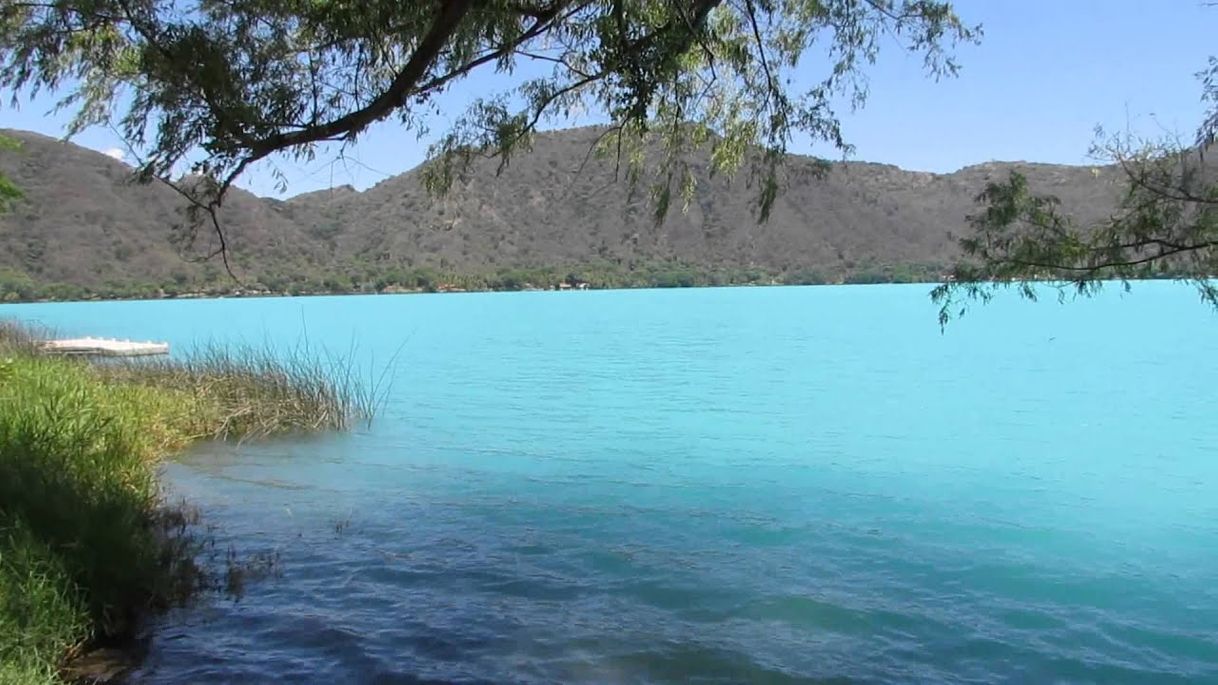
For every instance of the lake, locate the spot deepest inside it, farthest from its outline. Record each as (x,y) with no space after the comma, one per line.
(771,485)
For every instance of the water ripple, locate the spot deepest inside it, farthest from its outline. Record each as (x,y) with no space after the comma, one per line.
(721,486)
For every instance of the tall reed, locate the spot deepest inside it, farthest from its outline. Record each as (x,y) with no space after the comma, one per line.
(250,392)
(82,552)
(87,546)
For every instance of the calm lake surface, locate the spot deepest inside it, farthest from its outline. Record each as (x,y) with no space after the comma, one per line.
(769,485)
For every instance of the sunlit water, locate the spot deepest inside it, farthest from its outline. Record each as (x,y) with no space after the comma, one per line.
(748,485)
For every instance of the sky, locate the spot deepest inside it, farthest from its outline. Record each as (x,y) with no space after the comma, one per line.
(1046,73)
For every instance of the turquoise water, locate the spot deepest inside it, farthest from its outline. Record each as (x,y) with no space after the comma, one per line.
(763,485)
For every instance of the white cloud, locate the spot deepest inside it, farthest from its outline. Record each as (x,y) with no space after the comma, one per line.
(115,153)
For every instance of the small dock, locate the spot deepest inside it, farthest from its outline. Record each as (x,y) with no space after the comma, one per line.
(104,347)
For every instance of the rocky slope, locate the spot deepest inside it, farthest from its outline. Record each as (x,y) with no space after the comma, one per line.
(84,223)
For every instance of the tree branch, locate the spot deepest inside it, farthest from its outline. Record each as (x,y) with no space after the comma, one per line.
(1091,268)
(446,22)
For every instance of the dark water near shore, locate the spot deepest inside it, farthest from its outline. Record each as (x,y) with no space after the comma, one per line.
(762,485)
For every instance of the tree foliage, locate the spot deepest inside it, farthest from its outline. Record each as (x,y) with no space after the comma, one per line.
(212,86)
(9,192)
(1165,224)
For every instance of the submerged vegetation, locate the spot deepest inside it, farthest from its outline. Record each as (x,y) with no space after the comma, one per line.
(87,545)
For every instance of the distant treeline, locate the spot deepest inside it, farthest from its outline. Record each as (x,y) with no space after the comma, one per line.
(20,287)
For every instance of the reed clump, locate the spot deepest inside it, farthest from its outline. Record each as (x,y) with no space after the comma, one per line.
(250,392)
(87,545)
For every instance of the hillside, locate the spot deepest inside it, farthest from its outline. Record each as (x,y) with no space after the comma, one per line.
(85,227)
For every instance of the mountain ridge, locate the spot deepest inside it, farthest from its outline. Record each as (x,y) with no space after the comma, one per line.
(554,214)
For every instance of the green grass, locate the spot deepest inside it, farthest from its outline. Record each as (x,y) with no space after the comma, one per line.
(42,616)
(86,546)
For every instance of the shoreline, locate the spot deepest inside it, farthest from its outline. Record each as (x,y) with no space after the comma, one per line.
(90,549)
(22,288)
(261,294)
(237,294)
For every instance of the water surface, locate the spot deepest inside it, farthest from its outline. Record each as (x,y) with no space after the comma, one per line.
(745,485)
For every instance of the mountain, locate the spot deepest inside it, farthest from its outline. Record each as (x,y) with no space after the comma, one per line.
(84,227)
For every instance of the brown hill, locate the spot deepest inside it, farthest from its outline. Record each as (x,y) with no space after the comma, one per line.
(83,223)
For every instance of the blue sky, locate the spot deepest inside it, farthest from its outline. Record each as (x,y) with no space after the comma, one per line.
(1045,75)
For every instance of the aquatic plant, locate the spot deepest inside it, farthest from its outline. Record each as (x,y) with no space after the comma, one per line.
(244,391)
(87,543)
(83,552)
(18,338)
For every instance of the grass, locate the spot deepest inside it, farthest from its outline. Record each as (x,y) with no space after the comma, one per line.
(250,392)
(87,547)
